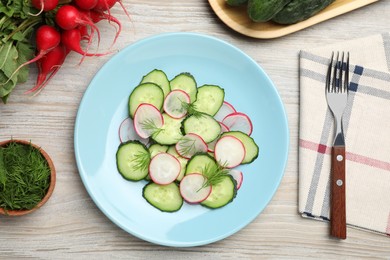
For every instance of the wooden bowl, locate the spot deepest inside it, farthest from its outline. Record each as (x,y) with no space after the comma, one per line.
(51,186)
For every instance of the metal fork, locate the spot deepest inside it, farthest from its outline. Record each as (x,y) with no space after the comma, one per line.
(337,81)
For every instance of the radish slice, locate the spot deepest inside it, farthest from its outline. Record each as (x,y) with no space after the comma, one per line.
(211,146)
(192,190)
(164,168)
(147,120)
(238,176)
(226,109)
(238,122)
(189,145)
(229,151)
(173,103)
(127,132)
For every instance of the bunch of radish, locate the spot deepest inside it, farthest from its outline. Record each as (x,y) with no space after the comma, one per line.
(74,23)
(228,149)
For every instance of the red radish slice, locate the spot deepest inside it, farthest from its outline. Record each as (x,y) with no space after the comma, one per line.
(226,109)
(173,103)
(192,190)
(211,146)
(127,132)
(238,122)
(164,168)
(238,176)
(229,151)
(147,120)
(189,145)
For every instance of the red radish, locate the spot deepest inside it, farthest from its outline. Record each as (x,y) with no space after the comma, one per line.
(127,132)
(173,103)
(224,128)
(44,5)
(211,145)
(229,151)
(147,120)
(105,5)
(86,4)
(69,17)
(238,122)
(192,188)
(225,110)
(164,168)
(97,16)
(72,40)
(46,39)
(237,176)
(84,33)
(189,145)
(48,65)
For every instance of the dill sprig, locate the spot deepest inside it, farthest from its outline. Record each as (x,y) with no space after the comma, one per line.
(24,176)
(187,146)
(141,161)
(214,174)
(150,126)
(191,109)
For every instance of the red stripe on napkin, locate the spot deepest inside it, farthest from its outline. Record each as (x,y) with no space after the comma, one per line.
(349,156)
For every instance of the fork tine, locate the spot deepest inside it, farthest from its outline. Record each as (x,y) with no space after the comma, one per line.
(340,67)
(334,81)
(346,74)
(328,74)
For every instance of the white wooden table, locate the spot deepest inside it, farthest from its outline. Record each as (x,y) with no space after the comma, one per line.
(71,226)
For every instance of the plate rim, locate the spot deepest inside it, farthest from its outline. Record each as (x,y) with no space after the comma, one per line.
(83,176)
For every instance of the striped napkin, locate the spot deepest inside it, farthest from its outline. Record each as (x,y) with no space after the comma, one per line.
(366,123)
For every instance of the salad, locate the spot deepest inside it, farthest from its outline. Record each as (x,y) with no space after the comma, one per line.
(185,141)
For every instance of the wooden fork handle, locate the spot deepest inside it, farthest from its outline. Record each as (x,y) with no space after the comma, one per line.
(338,225)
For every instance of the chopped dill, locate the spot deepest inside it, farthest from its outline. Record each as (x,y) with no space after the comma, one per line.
(141,160)
(150,126)
(191,109)
(214,174)
(24,176)
(187,146)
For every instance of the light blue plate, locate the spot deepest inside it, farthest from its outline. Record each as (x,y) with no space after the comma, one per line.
(104,106)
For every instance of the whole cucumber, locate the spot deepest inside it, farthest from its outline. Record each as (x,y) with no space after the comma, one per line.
(299,10)
(236,2)
(264,10)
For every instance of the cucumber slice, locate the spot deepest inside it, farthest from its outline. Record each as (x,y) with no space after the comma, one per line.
(132,160)
(251,148)
(186,82)
(203,125)
(166,198)
(155,149)
(159,78)
(148,93)
(209,99)
(199,162)
(222,193)
(170,133)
